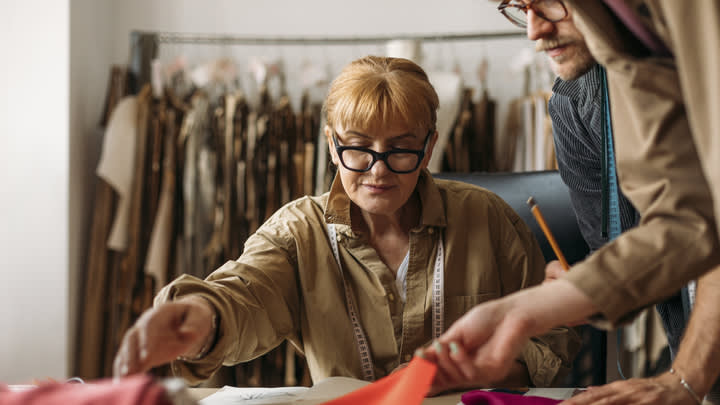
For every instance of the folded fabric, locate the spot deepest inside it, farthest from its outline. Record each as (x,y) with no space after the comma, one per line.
(480,397)
(407,386)
(136,390)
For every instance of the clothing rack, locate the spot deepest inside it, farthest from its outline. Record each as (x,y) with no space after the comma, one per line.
(226,39)
(145,45)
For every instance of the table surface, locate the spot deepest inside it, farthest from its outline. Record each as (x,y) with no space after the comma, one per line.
(448,399)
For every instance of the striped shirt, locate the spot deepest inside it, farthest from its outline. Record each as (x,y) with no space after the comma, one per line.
(576,111)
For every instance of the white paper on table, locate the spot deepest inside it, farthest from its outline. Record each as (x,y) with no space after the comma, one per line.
(325,390)
(554,393)
(236,395)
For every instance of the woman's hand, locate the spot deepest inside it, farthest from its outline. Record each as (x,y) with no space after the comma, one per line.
(553,271)
(163,333)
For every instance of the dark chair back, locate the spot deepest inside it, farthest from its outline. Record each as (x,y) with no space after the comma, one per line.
(551,195)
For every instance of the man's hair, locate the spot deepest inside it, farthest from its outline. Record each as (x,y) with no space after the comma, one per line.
(375,91)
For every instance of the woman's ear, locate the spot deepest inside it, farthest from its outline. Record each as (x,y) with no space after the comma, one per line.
(331,146)
(429,149)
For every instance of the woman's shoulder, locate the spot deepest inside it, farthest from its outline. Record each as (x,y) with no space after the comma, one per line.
(467,198)
(301,211)
(468,192)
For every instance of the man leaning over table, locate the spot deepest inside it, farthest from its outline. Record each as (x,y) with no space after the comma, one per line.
(663,177)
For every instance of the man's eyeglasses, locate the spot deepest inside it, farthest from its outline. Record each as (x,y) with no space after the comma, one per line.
(358,159)
(549,10)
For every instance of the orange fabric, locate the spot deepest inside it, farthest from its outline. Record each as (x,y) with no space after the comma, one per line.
(407,386)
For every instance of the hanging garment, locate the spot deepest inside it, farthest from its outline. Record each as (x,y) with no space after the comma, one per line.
(116,165)
(160,248)
(132,286)
(511,141)
(458,148)
(91,358)
(482,144)
(449,88)
(117,89)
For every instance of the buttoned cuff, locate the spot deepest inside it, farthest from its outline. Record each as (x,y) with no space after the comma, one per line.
(541,368)
(195,371)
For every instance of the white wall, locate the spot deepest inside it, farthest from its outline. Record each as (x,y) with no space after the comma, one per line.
(33,189)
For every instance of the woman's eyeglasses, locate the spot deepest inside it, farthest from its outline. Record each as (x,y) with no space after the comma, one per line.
(549,10)
(358,159)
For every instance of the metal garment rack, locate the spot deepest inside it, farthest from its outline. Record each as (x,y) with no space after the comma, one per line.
(146,44)
(227,39)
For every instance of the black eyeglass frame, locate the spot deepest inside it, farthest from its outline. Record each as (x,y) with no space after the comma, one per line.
(381,155)
(505,4)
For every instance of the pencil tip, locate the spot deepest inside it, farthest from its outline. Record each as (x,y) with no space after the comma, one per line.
(531,202)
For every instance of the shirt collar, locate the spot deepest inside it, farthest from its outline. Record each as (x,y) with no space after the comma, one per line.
(582,87)
(337,207)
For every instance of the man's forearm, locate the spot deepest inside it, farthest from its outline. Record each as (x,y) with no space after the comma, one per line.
(551,304)
(698,359)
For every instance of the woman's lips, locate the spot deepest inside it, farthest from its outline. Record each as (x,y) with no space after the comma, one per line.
(378,188)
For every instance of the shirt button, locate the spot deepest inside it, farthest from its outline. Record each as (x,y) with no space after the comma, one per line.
(431,230)
(408,357)
(391,297)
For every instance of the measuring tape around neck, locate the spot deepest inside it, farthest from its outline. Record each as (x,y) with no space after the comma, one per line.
(438,304)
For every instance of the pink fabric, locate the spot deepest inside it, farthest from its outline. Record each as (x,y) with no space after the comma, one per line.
(500,398)
(633,23)
(136,390)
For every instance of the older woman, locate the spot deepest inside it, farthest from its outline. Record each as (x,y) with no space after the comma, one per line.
(359,277)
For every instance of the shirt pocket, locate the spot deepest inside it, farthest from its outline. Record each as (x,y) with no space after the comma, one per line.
(457,306)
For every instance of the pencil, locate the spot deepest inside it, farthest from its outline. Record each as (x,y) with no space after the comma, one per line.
(546,230)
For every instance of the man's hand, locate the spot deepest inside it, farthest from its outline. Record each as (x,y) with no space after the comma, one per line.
(663,389)
(479,349)
(485,342)
(453,372)
(163,333)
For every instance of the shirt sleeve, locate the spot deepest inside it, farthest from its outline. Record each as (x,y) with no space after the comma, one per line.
(694,34)
(659,171)
(548,358)
(255,298)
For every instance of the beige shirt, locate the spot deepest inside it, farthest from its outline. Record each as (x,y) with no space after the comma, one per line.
(287,285)
(659,154)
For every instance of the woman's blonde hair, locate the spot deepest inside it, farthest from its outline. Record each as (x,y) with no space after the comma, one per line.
(376,91)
